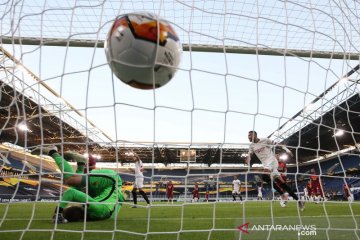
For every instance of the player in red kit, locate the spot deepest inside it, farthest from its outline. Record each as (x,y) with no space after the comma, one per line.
(347,193)
(307,191)
(282,169)
(170,191)
(196,193)
(316,186)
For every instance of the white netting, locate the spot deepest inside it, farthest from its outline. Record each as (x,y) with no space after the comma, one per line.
(303,25)
(52,57)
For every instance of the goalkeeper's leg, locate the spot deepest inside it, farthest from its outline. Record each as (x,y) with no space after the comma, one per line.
(52,151)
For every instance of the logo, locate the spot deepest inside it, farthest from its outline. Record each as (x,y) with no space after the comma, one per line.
(302,230)
(244,228)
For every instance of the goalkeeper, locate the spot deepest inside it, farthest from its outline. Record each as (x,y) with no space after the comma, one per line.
(101,188)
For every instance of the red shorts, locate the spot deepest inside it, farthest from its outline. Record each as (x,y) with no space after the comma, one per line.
(316,190)
(170,195)
(309,191)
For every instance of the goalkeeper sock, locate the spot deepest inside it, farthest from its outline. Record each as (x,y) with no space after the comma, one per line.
(144,196)
(63,165)
(234,197)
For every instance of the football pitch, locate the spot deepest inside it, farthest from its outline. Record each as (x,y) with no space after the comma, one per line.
(264,220)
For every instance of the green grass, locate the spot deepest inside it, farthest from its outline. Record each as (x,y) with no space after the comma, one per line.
(189,221)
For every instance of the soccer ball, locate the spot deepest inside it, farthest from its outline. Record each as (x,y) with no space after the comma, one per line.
(143,50)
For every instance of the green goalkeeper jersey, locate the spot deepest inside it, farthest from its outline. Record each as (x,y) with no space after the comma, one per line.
(102,183)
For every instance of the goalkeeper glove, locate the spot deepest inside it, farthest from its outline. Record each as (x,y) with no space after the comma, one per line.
(77,157)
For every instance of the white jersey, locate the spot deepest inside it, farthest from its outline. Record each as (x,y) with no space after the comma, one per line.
(138,167)
(259,192)
(236,184)
(263,150)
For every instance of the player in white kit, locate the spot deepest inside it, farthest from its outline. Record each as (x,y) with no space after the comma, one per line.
(139,180)
(236,188)
(263,149)
(306,193)
(260,195)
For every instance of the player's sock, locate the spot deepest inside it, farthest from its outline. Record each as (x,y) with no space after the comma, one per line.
(134,196)
(240,197)
(63,165)
(267,179)
(287,189)
(144,196)
(234,197)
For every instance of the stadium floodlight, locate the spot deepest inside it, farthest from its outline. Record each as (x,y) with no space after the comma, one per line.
(129,153)
(339,133)
(244,155)
(310,107)
(23,127)
(284,157)
(343,81)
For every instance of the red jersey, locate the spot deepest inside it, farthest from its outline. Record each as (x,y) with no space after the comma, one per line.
(346,191)
(196,192)
(282,167)
(169,190)
(169,187)
(316,188)
(314,180)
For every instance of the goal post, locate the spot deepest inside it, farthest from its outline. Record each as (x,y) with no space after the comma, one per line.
(288,70)
(190,47)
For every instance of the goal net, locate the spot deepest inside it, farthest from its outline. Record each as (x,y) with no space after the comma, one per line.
(288,70)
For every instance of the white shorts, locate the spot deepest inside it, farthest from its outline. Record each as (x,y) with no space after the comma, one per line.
(236,192)
(273,167)
(260,195)
(139,182)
